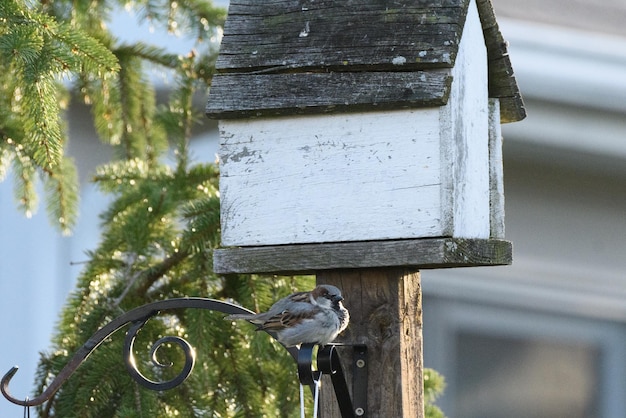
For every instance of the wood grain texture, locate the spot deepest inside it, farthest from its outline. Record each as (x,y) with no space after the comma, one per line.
(253,95)
(309,258)
(386,315)
(288,34)
(502,82)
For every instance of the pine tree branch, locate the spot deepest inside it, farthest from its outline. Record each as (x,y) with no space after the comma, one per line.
(156,272)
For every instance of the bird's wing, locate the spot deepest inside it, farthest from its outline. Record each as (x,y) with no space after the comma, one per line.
(284,319)
(304,297)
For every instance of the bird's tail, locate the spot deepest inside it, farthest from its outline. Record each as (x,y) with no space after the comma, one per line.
(233,317)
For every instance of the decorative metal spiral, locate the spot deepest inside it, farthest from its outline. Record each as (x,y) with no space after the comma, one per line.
(133,370)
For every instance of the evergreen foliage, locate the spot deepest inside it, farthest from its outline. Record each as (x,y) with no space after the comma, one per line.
(434,385)
(163,221)
(36,50)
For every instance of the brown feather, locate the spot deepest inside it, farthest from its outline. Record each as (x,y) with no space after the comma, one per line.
(284,320)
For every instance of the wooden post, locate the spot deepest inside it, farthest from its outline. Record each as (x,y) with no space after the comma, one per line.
(386,310)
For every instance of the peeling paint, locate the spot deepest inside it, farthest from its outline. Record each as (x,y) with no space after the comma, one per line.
(305,32)
(245,153)
(399,60)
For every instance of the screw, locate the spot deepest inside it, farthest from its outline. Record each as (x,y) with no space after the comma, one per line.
(360,363)
(359,412)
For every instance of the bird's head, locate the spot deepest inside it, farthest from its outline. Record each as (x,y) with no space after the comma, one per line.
(326,295)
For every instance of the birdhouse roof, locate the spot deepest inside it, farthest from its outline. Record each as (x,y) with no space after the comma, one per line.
(305,56)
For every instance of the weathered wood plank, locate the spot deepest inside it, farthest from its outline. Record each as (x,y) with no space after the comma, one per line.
(309,258)
(378,56)
(279,7)
(512,109)
(245,95)
(496,172)
(503,85)
(502,82)
(465,131)
(330,178)
(386,315)
(329,34)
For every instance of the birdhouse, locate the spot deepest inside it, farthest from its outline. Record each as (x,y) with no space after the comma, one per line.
(361,134)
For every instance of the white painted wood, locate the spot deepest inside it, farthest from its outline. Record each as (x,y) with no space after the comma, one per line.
(465,134)
(324,178)
(496,171)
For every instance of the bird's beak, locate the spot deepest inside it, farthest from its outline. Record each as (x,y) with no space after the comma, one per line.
(337,298)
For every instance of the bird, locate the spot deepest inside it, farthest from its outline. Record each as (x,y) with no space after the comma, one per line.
(314,317)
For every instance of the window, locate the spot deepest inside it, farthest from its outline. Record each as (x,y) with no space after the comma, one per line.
(525,377)
(507,361)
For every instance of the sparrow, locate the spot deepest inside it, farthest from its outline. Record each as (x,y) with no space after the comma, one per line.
(314,317)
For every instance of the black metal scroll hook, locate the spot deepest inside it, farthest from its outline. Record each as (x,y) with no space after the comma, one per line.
(138,317)
(328,361)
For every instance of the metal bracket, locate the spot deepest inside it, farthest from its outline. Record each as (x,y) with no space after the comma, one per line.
(359,380)
(329,362)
